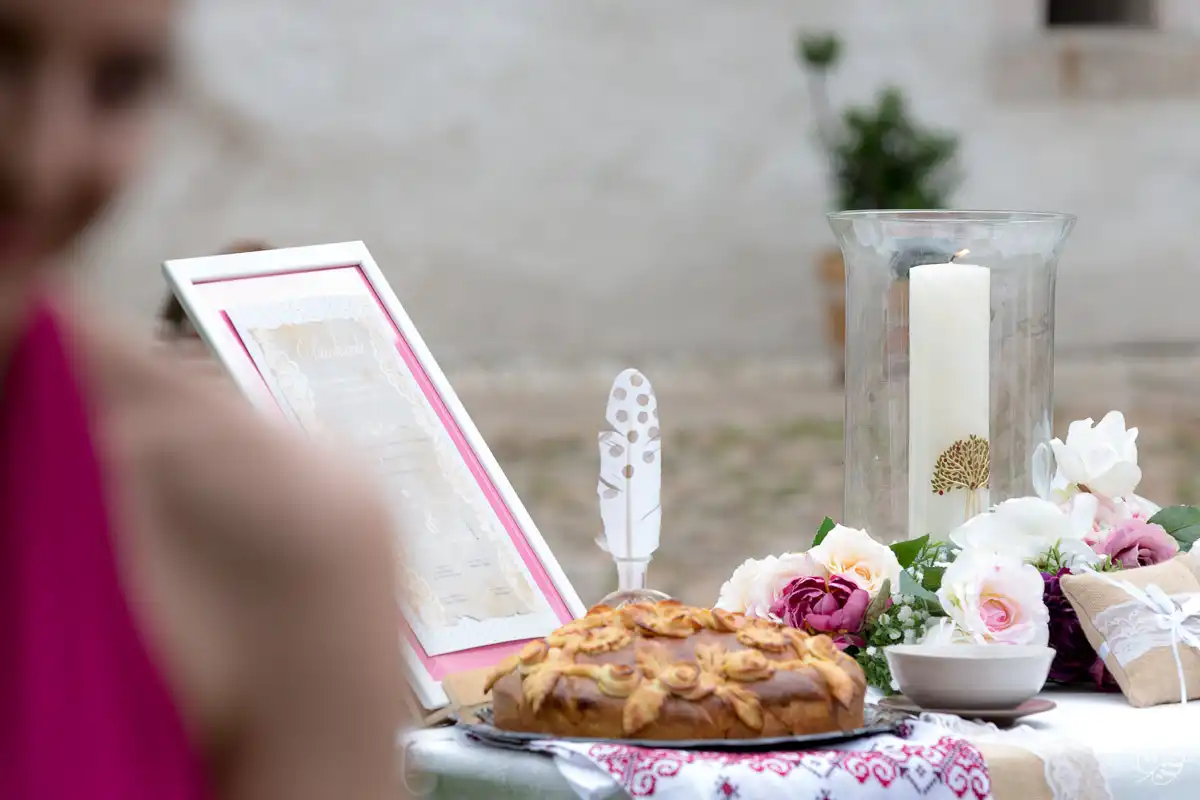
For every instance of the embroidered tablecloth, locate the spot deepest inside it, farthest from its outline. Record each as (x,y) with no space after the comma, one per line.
(1092,747)
(923,761)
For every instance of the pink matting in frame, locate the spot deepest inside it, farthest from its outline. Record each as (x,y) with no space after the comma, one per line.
(440,666)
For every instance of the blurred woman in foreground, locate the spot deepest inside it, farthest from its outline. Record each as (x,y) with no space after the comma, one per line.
(192,604)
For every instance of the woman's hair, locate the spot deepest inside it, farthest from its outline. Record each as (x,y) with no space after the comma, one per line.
(172,319)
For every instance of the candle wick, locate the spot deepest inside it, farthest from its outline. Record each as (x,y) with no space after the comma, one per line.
(959,254)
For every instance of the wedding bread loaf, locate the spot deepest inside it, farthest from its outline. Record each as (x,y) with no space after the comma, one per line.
(667,672)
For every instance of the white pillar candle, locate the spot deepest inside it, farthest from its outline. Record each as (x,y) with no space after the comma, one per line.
(949,329)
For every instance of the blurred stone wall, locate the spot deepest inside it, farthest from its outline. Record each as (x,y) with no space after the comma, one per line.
(557,180)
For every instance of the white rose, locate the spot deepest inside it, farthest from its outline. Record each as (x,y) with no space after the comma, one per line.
(854,555)
(1101,460)
(756,585)
(1141,508)
(1024,529)
(736,592)
(994,599)
(943,630)
(1098,516)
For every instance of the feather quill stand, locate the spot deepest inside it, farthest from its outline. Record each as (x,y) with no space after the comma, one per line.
(630,482)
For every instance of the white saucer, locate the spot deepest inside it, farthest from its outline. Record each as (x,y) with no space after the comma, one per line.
(998,716)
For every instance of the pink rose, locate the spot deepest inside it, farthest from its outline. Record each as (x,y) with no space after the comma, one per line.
(833,605)
(1137,543)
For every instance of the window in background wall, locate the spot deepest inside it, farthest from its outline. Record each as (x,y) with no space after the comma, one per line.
(1105,13)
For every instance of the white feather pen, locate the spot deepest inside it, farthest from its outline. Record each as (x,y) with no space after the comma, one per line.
(631,470)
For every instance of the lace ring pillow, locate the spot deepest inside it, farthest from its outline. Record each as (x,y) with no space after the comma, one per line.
(1145,624)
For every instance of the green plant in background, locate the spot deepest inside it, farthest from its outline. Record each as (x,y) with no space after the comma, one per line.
(879,157)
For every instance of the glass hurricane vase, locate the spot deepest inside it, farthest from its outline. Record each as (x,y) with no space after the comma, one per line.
(1006,386)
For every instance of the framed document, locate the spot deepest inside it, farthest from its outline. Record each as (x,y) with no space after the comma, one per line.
(315,334)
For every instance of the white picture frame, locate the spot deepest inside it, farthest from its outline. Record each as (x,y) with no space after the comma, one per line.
(210,288)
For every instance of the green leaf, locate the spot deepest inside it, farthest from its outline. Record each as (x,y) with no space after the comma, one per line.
(882,157)
(909,585)
(932,579)
(907,551)
(1181,522)
(879,604)
(819,51)
(826,526)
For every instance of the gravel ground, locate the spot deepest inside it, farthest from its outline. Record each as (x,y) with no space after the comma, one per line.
(753,454)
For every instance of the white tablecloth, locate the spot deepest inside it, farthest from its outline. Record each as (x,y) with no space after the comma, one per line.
(1143,754)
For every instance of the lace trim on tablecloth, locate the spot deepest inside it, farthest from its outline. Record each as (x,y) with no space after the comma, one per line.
(1071,768)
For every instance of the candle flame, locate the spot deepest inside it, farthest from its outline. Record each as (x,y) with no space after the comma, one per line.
(959,254)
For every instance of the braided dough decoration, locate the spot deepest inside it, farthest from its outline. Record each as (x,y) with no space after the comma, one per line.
(640,658)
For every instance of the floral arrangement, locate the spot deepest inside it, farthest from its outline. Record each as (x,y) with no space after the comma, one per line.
(996,581)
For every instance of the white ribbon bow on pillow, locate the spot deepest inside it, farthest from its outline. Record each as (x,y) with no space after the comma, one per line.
(1130,628)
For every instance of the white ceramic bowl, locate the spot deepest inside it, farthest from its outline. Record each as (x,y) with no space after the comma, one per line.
(969,676)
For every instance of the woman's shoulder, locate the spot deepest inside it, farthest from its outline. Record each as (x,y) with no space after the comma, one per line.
(179,428)
(272,571)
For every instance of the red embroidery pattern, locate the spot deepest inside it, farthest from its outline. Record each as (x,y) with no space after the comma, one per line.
(953,763)
(726,789)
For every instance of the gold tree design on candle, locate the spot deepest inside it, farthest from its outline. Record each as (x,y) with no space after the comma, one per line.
(966,464)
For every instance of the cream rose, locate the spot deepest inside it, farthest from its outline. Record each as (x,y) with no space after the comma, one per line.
(854,555)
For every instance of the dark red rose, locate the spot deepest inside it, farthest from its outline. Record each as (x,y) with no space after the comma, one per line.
(835,606)
(1075,660)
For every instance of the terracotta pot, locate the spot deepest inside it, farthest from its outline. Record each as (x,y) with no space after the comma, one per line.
(831,275)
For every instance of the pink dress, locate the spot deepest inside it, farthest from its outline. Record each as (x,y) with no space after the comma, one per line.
(84,711)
